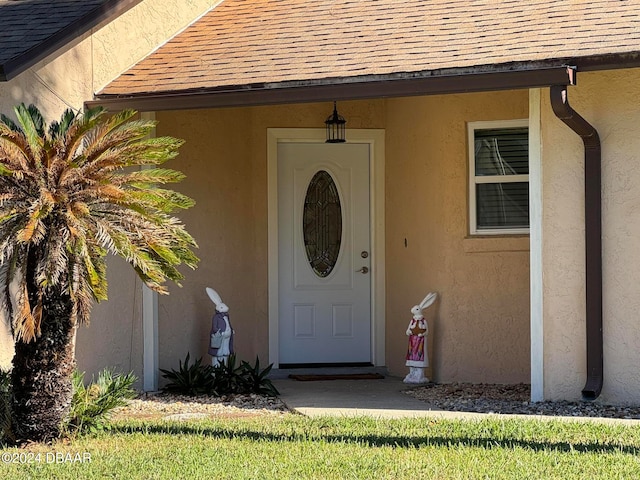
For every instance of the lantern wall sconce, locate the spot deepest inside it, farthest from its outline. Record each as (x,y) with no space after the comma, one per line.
(335,127)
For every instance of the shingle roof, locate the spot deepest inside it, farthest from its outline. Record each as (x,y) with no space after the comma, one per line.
(32,29)
(257,42)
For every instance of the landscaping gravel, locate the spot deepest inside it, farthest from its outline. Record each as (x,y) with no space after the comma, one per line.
(511,399)
(177,407)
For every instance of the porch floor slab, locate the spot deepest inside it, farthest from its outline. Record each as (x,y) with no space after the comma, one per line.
(380,398)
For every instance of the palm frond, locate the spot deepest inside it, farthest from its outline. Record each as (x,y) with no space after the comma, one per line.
(101,137)
(55,261)
(58,130)
(31,123)
(9,123)
(69,195)
(146,178)
(26,324)
(116,154)
(14,151)
(158,199)
(83,128)
(34,230)
(4,170)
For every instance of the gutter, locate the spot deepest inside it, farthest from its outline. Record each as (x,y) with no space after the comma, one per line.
(593,236)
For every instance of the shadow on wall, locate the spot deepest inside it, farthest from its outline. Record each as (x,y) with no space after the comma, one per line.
(52,86)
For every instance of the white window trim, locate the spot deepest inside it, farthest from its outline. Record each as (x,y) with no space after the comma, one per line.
(474,180)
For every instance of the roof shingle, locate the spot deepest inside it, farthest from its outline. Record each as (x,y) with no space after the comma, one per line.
(246,42)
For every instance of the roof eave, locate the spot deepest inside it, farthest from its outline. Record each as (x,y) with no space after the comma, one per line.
(379,86)
(612,61)
(96,18)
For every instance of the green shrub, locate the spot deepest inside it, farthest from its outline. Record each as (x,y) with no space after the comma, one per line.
(226,378)
(92,405)
(256,380)
(195,379)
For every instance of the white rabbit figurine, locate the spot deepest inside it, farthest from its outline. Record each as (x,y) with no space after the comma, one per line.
(221,338)
(417,358)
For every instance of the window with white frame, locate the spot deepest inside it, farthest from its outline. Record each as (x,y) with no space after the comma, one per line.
(499,177)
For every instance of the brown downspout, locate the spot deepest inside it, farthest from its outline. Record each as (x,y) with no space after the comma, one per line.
(593,236)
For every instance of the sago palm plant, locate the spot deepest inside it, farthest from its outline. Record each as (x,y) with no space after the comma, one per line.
(70,194)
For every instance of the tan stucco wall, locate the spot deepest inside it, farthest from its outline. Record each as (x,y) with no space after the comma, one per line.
(480,324)
(67,79)
(219,180)
(113,339)
(609,101)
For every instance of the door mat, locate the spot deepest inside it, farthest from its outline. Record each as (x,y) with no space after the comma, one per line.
(346,376)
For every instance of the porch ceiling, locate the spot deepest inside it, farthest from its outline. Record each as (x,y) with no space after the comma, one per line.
(265,51)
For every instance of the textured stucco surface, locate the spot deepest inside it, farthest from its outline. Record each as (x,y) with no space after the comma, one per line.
(113,339)
(480,324)
(608,101)
(479,330)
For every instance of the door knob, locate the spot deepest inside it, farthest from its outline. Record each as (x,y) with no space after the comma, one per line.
(363,270)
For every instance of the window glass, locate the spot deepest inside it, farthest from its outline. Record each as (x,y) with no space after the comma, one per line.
(502,151)
(499,177)
(502,205)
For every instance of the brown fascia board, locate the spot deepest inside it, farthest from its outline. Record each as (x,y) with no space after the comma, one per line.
(612,61)
(97,18)
(425,83)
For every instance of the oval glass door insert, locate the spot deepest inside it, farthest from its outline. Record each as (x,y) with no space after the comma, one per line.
(322,223)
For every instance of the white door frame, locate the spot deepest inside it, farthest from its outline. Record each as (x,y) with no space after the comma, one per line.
(375,139)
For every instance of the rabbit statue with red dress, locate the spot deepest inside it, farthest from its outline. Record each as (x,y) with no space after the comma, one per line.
(417,358)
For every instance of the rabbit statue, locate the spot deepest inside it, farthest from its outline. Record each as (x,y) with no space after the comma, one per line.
(417,358)
(221,337)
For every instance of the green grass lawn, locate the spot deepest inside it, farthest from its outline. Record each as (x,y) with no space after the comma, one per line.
(295,447)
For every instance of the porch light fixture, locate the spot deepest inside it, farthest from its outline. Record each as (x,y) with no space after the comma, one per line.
(335,127)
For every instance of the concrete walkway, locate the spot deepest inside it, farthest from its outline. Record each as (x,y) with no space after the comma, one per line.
(382,398)
(376,398)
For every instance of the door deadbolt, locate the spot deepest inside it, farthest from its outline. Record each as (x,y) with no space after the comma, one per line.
(364,254)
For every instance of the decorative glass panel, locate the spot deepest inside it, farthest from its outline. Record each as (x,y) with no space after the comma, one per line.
(322,223)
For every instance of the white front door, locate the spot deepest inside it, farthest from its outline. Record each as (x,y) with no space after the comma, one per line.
(324,253)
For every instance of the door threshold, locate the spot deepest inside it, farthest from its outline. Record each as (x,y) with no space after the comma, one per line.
(285,366)
(328,369)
